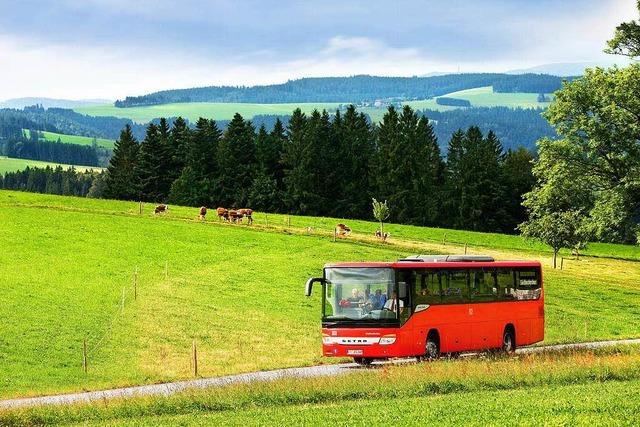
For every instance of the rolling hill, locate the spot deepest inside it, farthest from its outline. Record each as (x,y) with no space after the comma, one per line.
(8,164)
(74,139)
(235,289)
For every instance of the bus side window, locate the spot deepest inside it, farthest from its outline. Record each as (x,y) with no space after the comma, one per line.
(427,288)
(505,284)
(455,288)
(483,286)
(528,285)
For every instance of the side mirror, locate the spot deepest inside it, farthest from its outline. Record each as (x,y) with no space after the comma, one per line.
(309,285)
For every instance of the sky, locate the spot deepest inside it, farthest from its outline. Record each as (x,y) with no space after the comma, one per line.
(113,48)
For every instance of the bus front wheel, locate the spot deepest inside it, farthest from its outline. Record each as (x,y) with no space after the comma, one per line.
(363,361)
(432,349)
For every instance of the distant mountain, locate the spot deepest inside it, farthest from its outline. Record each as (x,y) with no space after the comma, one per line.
(355,89)
(51,102)
(567,68)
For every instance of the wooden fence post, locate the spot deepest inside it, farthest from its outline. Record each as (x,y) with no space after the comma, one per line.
(465,248)
(561,263)
(266,220)
(195,359)
(135,284)
(334,235)
(140,208)
(84,355)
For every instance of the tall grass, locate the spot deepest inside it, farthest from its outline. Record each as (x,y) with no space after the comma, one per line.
(390,383)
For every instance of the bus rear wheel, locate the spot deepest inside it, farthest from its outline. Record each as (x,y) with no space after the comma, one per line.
(363,361)
(508,340)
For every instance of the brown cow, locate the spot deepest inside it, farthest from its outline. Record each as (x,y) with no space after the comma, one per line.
(203,212)
(248,213)
(234,216)
(161,208)
(342,230)
(223,214)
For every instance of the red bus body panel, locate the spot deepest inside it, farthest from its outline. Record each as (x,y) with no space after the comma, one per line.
(461,327)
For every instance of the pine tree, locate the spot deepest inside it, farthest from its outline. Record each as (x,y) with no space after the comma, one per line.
(297,162)
(148,170)
(237,162)
(120,182)
(196,185)
(357,149)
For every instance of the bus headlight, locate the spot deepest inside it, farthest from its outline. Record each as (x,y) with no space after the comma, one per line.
(387,339)
(326,339)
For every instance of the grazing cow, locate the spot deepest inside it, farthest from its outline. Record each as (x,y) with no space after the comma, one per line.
(234,216)
(382,236)
(161,208)
(248,213)
(203,212)
(223,214)
(343,230)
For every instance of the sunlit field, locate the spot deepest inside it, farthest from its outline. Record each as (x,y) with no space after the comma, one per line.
(73,139)
(9,164)
(235,289)
(195,110)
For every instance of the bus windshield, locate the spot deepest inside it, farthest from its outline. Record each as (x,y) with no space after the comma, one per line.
(359,294)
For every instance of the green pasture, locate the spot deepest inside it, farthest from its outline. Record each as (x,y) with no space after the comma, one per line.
(9,164)
(73,139)
(479,97)
(195,110)
(235,289)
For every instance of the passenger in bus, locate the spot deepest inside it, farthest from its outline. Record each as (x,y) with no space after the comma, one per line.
(393,302)
(355,299)
(382,299)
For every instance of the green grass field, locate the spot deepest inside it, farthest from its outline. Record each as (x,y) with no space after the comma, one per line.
(74,139)
(236,289)
(9,164)
(557,388)
(195,110)
(479,97)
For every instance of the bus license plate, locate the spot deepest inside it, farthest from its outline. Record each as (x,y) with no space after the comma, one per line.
(354,352)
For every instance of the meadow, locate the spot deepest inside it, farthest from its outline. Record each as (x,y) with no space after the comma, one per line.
(73,139)
(9,164)
(195,110)
(479,97)
(237,290)
(595,387)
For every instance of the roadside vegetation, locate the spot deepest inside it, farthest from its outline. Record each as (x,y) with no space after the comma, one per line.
(571,386)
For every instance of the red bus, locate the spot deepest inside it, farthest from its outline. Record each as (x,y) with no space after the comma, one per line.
(427,305)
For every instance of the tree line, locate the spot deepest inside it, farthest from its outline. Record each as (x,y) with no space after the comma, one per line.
(64,182)
(49,151)
(354,89)
(326,165)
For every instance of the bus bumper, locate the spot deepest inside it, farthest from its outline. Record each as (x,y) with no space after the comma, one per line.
(364,343)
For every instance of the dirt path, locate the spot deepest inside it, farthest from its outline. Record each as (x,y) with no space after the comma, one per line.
(308,372)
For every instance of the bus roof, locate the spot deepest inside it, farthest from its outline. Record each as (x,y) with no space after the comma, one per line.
(440,261)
